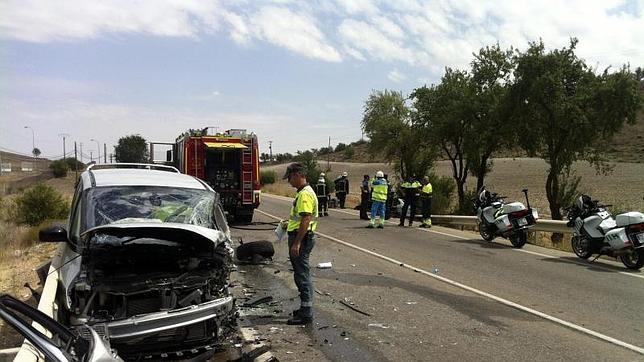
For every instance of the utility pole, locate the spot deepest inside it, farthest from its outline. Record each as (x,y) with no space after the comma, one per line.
(91,156)
(81,152)
(111,155)
(33,148)
(63,135)
(105,152)
(270,152)
(98,150)
(75,160)
(328,156)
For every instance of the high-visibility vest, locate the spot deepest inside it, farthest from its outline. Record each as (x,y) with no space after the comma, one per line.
(379,190)
(305,201)
(426,190)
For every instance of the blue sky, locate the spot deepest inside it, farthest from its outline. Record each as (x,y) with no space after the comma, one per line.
(294,72)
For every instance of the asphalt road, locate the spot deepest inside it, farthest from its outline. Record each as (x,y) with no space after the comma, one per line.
(455,297)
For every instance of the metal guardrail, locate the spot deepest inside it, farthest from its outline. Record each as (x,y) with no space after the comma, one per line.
(552,226)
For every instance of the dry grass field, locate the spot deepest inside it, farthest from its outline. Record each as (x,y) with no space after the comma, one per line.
(623,188)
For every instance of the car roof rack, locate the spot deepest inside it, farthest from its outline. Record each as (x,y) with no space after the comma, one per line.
(148,166)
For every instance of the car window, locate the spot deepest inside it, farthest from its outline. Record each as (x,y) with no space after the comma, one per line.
(126,204)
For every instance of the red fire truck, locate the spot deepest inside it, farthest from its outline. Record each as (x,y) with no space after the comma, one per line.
(228,161)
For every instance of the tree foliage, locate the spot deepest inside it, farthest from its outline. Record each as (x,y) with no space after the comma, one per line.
(36,152)
(132,148)
(564,112)
(387,122)
(444,117)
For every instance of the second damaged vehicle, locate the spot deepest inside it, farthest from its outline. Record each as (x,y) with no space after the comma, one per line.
(148,263)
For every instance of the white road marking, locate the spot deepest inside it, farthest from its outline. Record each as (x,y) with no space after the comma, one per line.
(594,265)
(484,294)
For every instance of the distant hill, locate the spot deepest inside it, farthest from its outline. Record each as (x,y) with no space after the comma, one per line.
(16,160)
(627,146)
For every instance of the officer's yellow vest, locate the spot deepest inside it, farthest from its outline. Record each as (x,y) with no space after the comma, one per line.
(305,201)
(379,192)
(427,189)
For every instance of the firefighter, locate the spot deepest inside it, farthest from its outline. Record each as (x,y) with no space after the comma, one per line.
(322,194)
(301,239)
(410,190)
(426,202)
(365,192)
(342,188)
(378,199)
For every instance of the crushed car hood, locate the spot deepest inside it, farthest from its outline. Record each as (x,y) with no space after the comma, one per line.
(181,233)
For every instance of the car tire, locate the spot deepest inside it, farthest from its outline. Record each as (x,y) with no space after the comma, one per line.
(263,248)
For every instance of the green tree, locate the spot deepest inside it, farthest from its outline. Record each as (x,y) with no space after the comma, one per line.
(132,148)
(59,168)
(444,117)
(307,159)
(36,152)
(564,112)
(349,152)
(491,70)
(39,203)
(387,122)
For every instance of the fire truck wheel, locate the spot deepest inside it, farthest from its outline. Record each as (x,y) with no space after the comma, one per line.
(264,248)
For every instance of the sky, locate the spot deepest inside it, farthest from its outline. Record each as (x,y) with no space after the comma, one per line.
(293,72)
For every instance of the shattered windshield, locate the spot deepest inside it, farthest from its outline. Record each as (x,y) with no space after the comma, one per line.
(127,204)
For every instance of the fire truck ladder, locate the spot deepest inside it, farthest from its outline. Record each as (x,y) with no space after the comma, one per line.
(247,175)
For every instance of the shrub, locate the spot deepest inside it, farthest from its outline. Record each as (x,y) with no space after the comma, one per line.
(349,152)
(340,147)
(442,190)
(39,203)
(74,164)
(468,208)
(267,177)
(59,167)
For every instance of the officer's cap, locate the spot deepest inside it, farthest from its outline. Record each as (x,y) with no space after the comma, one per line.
(293,168)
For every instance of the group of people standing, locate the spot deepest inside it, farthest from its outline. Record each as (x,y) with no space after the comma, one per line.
(380,193)
(309,204)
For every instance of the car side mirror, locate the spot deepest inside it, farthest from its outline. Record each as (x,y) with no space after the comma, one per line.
(53,234)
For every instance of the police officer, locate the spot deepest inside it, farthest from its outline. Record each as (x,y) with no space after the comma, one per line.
(301,239)
(410,190)
(426,202)
(321,192)
(365,191)
(378,200)
(342,188)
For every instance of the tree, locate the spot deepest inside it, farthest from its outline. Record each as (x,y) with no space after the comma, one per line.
(444,117)
(387,122)
(349,152)
(564,112)
(489,132)
(36,152)
(307,159)
(132,148)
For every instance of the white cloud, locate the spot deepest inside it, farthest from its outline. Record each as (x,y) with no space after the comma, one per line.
(297,32)
(396,76)
(44,21)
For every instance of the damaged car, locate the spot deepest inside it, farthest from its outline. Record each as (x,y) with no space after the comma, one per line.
(148,262)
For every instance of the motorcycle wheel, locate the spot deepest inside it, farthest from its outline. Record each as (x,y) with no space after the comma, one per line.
(519,238)
(634,259)
(485,232)
(581,247)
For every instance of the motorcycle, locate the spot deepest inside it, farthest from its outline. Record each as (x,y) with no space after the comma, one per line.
(595,231)
(511,220)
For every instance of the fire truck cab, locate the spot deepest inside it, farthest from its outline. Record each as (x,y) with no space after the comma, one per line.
(227,161)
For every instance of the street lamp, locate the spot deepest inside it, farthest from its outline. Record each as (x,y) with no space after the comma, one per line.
(98,146)
(33,148)
(63,135)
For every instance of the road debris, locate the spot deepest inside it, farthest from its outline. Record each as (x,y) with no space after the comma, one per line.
(379,325)
(354,308)
(257,301)
(325,265)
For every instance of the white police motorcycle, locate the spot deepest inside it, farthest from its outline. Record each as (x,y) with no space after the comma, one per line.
(508,220)
(596,232)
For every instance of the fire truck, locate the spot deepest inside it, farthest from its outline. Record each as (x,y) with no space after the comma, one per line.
(227,161)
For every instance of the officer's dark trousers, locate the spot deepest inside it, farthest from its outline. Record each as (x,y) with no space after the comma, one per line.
(342,197)
(364,205)
(388,205)
(410,202)
(426,203)
(302,271)
(323,205)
